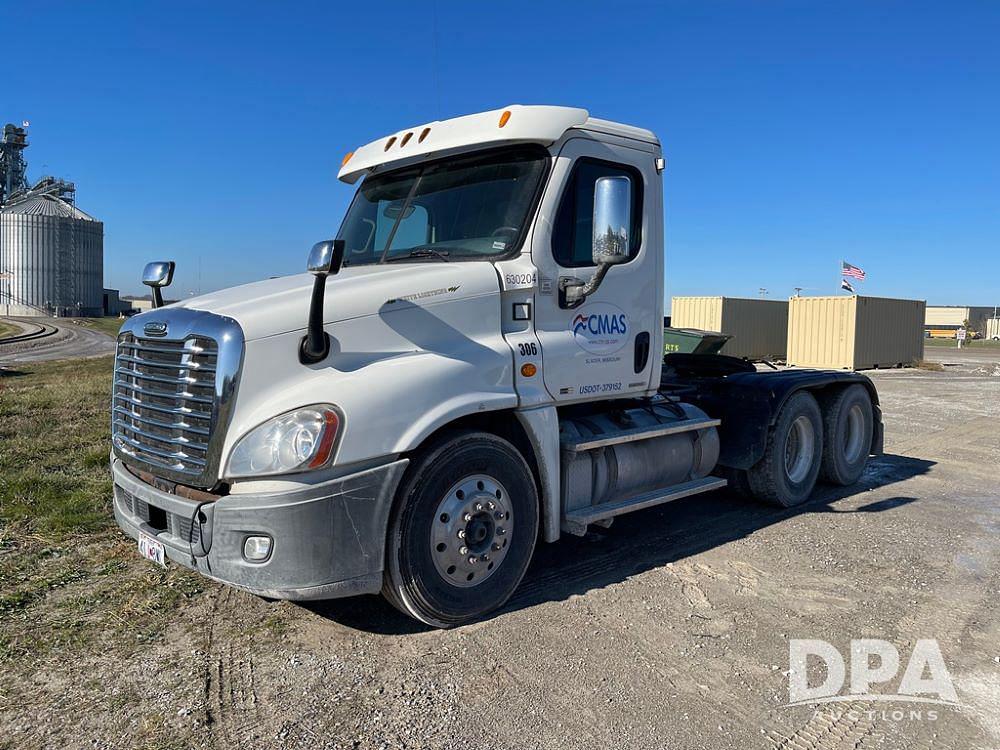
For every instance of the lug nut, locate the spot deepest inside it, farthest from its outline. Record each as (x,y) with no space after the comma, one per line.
(467,517)
(491,505)
(463,550)
(484,558)
(479,507)
(461,533)
(498,516)
(473,559)
(501,531)
(497,547)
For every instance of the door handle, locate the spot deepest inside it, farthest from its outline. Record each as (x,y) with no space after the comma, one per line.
(641,351)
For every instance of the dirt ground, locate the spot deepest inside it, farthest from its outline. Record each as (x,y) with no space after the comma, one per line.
(668,630)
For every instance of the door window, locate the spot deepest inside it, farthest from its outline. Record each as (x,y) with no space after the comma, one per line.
(572,235)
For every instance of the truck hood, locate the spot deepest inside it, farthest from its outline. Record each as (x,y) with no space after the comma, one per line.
(281,305)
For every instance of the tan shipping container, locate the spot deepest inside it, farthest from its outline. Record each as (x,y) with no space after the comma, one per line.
(759,327)
(993,328)
(855,333)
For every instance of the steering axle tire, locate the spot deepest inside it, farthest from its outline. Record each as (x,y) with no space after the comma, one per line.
(463,530)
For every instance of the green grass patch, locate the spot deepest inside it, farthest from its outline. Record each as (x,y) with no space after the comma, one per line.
(969,343)
(54,425)
(68,578)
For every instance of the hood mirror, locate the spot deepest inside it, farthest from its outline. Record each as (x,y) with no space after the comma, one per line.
(326,257)
(157,275)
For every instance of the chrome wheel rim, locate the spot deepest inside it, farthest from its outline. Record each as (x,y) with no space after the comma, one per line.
(800,449)
(854,434)
(471,530)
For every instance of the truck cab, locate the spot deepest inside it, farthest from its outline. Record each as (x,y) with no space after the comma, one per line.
(473,366)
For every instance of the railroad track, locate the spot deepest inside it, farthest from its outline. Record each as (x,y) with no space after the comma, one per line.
(30,332)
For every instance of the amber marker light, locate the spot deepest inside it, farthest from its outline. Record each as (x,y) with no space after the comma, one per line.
(528,370)
(504,117)
(347,158)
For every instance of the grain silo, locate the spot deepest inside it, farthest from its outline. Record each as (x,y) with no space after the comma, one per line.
(51,252)
(51,256)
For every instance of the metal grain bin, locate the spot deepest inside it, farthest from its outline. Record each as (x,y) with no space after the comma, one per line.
(855,333)
(759,327)
(53,256)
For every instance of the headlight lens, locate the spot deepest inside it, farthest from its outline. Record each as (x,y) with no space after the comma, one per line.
(299,440)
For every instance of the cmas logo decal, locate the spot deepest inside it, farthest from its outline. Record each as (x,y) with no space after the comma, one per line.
(600,328)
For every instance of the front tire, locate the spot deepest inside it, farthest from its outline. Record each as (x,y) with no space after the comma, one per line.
(463,530)
(786,475)
(848,426)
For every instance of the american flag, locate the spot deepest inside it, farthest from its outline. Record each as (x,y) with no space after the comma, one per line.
(846,269)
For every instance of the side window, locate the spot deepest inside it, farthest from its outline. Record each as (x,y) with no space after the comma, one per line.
(572,234)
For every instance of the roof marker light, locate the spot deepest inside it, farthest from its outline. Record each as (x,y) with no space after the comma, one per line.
(347,158)
(406,139)
(424,134)
(504,117)
(388,143)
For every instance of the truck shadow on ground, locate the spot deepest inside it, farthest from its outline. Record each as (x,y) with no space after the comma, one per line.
(641,541)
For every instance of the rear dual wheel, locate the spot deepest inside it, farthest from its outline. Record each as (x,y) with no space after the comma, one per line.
(463,530)
(848,429)
(808,442)
(793,453)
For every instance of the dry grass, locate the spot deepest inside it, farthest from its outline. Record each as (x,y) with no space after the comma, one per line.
(7,329)
(109,325)
(67,575)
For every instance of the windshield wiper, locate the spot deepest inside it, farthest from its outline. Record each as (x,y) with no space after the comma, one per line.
(420,252)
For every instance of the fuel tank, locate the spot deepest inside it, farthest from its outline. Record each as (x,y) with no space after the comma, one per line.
(627,467)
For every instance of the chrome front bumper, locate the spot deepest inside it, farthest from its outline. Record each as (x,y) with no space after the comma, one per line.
(328,539)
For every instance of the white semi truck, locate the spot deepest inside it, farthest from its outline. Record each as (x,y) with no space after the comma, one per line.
(473,367)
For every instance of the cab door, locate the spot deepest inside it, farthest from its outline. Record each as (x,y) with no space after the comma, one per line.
(604,347)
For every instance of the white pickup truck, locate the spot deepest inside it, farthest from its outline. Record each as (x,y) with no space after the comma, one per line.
(473,366)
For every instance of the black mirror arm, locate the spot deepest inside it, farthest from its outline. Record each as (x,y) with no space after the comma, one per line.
(157,297)
(315,344)
(573,292)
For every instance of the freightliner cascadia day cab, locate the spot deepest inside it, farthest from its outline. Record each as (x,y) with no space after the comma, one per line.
(472,367)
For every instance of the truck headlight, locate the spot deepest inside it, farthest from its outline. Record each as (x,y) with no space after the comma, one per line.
(295,441)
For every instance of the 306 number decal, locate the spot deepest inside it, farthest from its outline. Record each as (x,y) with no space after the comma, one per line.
(528,349)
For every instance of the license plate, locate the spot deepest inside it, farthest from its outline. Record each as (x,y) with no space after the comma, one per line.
(152,550)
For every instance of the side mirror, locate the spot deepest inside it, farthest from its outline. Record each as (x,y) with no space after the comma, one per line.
(610,240)
(326,257)
(612,219)
(157,275)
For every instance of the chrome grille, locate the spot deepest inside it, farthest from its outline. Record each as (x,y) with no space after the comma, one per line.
(176,376)
(164,403)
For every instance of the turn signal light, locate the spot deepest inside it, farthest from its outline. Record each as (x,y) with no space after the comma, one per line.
(528,370)
(347,158)
(504,117)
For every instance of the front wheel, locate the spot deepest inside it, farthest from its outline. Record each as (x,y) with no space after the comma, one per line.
(786,475)
(463,530)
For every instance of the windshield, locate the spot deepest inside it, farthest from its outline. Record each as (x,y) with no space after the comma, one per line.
(466,208)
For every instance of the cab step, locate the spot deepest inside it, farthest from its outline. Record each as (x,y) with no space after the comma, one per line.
(576,521)
(639,433)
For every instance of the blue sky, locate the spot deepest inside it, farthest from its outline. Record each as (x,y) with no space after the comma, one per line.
(796,133)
